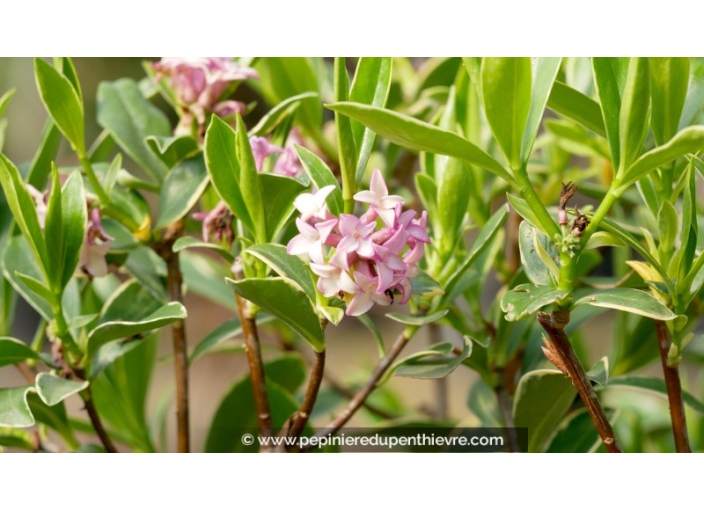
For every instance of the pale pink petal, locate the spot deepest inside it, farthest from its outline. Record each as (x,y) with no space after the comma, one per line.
(377,185)
(360,304)
(367,197)
(387,215)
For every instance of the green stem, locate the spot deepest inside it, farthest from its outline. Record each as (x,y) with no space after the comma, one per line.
(525,188)
(94,182)
(611,196)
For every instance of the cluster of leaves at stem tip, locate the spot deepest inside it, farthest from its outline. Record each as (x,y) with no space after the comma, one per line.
(460,197)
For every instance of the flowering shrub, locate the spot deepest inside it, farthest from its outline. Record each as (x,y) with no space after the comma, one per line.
(498,206)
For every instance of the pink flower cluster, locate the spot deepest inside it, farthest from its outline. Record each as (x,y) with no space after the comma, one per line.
(200,82)
(287,162)
(360,259)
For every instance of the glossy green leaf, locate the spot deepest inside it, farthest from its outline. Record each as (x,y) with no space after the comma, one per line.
(436,362)
(541,401)
(14,351)
(114,330)
(656,385)
(523,209)
(46,153)
(279,191)
(130,119)
(635,112)
(54,233)
(23,209)
(181,190)
(537,255)
(506,94)
(451,206)
(53,389)
(173,149)
(346,145)
(14,409)
(224,169)
(576,106)
(74,219)
(283,298)
(544,72)
(249,182)
(629,300)
(425,286)
(38,288)
(289,266)
(283,78)
(688,141)
(321,176)
(191,242)
(63,103)
(416,135)
(694,104)
(669,77)
(237,413)
(18,260)
(278,113)
(481,242)
(371,85)
(668,222)
(526,299)
(417,320)
(606,81)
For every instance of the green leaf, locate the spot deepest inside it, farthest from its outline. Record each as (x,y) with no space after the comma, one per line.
(417,320)
(283,78)
(635,112)
(668,223)
(541,401)
(481,242)
(537,254)
(657,386)
(694,104)
(224,332)
(24,210)
(181,190)
(74,219)
(416,135)
(54,233)
(130,119)
(14,409)
(5,100)
(451,206)
(14,351)
(669,77)
(544,72)
(191,242)
(321,176)
(18,260)
(52,389)
(606,81)
(279,191)
(224,168)
(688,141)
(346,146)
(48,147)
(289,266)
(629,300)
(369,323)
(436,362)
(283,298)
(63,103)
(506,94)
(371,85)
(523,209)
(425,286)
(250,185)
(114,330)
(237,413)
(173,149)
(277,114)
(526,299)
(576,106)
(38,288)
(599,373)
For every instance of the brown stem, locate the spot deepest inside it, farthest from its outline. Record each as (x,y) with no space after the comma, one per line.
(87,397)
(316,378)
(359,398)
(554,324)
(674,389)
(27,372)
(256,367)
(178,335)
(440,385)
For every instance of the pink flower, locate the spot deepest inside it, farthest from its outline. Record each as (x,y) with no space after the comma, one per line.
(365,299)
(332,280)
(229,108)
(312,206)
(261,148)
(378,197)
(92,261)
(311,238)
(356,240)
(218,222)
(288,163)
(390,268)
